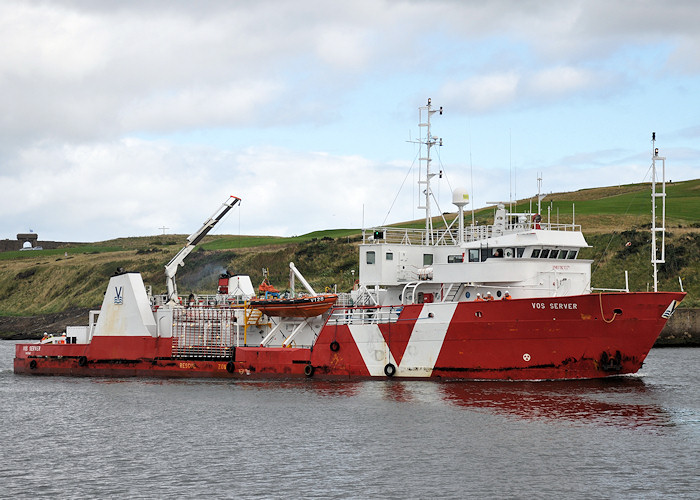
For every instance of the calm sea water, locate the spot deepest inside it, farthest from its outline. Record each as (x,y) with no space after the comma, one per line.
(632,437)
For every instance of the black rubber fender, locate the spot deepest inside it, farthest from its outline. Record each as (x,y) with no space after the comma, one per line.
(82,361)
(33,364)
(230,367)
(335,346)
(309,370)
(389,370)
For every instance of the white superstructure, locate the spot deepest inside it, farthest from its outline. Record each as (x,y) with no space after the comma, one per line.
(518,253)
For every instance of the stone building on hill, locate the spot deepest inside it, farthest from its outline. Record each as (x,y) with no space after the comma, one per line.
(28,241)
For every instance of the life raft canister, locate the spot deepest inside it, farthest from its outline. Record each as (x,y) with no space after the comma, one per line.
(537,218)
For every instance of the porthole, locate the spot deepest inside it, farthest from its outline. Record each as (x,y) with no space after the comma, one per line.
(468,294)
(498,293)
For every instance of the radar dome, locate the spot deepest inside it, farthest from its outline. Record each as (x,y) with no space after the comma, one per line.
(460,197)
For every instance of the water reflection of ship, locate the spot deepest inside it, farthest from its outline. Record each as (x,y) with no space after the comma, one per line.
(620,402)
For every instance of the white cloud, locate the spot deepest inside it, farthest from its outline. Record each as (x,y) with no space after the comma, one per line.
(344,48)
(200,106)
(132,187)
(79,80)
(483,93)
(561,80)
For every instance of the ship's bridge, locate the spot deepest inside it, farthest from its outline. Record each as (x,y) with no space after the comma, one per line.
(511,252)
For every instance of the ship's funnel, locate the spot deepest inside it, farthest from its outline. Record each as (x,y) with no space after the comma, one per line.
(126,309)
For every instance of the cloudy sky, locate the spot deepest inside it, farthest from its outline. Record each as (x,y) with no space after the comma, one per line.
(118,118)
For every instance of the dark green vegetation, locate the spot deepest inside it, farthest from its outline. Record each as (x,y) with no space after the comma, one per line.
(51,281)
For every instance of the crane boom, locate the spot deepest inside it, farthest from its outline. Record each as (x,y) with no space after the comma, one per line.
(192,240)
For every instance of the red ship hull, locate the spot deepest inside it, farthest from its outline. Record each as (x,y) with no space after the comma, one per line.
(584,336)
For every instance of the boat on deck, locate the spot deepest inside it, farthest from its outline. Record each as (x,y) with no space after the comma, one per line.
(414,313)
(273,303)
(298,307)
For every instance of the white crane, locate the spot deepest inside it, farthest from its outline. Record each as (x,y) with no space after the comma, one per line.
(192,240)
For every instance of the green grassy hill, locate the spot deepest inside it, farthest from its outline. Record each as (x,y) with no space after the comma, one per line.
(51,281)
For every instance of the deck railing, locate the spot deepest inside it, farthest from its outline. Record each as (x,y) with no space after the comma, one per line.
(409,236)
(367,315)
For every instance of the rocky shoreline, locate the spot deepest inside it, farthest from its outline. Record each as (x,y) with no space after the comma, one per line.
(683,329)
(33,327)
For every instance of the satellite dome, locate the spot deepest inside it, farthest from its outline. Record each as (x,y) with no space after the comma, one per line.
(460,197)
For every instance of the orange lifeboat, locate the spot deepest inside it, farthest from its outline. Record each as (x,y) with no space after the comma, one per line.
(300,307)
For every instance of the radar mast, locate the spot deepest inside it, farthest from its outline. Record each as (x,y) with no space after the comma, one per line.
(428,140)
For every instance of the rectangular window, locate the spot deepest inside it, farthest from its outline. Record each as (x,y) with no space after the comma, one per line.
(389,256)
(544,253)
(453,259)
(427,259)
(563,254)
(520,251)
(572,254)
(485,253)
(553,254)
(536,253)
(474,255)
(370,257)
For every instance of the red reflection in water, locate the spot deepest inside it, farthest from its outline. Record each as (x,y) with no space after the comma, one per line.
(619,402)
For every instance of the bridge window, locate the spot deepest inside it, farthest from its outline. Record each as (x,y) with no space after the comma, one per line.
(553,254)
(572,254)
(536,253)
(544,253)
(427,259)
(453,259)
(370,257)
(474,255)
(520,252)
(563,254)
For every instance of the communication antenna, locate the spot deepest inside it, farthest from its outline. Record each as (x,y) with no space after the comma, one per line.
(428,140)
(540,196)
(658,223)
(513,175)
